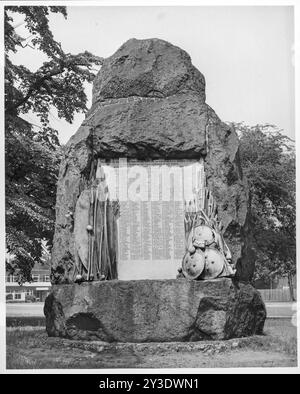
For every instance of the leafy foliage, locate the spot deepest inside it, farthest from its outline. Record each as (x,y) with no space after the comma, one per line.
(31,175)
(268,161)
(57,83)
(32,153)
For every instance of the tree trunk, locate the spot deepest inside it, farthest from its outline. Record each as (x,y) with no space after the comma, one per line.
(291,287)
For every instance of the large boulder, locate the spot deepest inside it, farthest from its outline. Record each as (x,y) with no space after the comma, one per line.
(149,103)
(147,68)
(154,310)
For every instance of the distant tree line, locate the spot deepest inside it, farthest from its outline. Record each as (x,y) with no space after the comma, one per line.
(268,163)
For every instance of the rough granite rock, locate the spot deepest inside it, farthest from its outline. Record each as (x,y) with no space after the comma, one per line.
(149,103)
(154,310)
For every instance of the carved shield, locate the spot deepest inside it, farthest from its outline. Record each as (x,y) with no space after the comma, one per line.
(80,223)
(193,264)
(214,264)
(201,236)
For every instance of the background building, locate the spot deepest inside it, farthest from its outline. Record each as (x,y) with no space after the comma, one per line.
(35,291)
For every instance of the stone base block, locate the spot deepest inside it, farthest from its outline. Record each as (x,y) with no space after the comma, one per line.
(154,310)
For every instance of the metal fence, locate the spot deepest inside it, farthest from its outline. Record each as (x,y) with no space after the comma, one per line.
(279,295)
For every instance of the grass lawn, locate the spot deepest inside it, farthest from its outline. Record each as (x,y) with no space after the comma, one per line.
(30,348)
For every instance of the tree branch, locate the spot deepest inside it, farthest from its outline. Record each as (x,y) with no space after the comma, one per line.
(36,85)
(40,81)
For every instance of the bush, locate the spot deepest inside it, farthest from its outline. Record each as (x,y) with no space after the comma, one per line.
(30,298)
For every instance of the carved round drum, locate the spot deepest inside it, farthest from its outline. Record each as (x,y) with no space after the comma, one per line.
(202,235)
(214,263)
(193,264)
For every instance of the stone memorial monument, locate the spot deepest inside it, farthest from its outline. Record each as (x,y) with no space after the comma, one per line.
(152,236)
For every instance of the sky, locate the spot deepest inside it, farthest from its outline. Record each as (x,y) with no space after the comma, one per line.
(245,53)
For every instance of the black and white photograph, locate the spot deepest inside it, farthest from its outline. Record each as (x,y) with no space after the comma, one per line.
(148,177)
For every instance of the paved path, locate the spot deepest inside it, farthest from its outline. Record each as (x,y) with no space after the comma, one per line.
(274,309)
(281,309)
(21,309)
